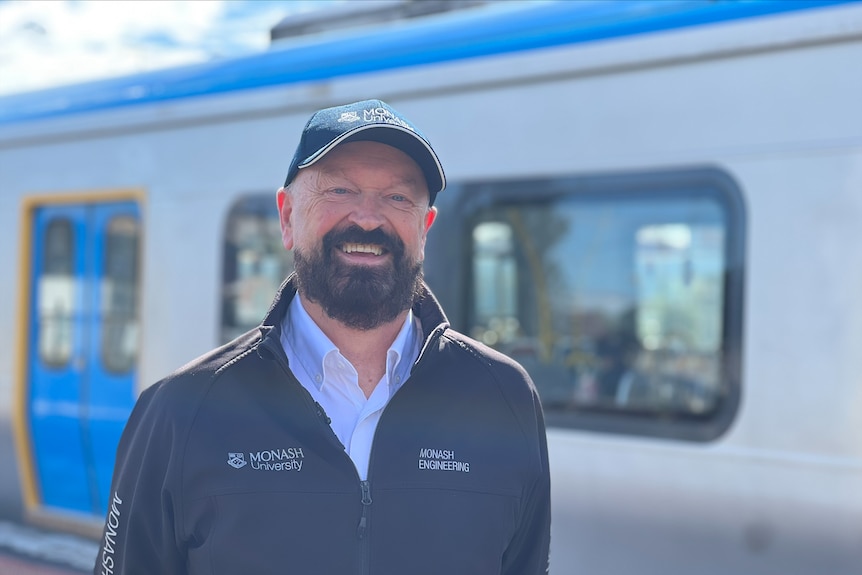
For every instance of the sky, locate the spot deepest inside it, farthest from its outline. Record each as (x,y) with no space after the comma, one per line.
(46,43)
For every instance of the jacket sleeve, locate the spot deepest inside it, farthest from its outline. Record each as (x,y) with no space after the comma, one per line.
(139,536)
(528,551)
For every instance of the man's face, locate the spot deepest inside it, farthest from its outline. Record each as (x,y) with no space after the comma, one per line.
(357,221)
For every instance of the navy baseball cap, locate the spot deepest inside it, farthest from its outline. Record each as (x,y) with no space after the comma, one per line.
(369,120)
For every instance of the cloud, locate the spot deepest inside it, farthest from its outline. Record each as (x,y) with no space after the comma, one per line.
(46,44)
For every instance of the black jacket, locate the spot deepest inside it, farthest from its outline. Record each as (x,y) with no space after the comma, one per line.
(229,467)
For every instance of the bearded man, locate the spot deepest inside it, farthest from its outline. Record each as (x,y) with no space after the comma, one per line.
(354,431)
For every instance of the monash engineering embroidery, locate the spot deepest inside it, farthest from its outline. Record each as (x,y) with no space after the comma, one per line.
(441,460)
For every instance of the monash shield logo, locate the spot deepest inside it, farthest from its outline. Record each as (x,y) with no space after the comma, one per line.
(236,460)
(349,117)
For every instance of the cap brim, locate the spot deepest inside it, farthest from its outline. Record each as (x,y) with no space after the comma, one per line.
(398,137)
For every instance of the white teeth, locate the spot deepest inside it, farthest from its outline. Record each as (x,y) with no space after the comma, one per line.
(362,248)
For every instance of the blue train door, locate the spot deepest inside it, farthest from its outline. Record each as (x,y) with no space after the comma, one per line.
(83,348)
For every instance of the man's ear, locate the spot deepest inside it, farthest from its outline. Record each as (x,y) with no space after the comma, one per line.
(430,217)
(429,221)
(284,200)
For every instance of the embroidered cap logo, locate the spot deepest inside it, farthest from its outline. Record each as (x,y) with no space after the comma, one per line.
(349,117)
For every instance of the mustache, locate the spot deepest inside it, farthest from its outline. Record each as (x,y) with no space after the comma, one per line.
(355,235)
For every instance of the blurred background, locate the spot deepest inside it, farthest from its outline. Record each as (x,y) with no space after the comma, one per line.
(654,206)
(56,42)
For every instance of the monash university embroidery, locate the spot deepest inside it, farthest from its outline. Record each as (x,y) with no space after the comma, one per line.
(385,116)
(441,460)
(289,459)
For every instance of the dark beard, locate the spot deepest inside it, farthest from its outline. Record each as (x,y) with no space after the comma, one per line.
(360,297)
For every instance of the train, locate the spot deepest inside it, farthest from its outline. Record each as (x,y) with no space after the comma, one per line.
(655,207)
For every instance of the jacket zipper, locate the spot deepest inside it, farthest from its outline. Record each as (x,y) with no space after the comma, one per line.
(364,486)
(362,529)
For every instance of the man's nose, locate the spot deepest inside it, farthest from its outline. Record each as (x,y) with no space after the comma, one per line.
(366,212)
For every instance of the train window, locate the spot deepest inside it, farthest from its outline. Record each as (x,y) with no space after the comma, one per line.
(255,263)
(618,303)
(56,293)
(119,294)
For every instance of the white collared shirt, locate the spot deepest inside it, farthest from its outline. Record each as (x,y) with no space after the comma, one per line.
(333,382)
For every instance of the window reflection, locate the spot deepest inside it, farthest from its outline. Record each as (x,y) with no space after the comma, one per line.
(611,303)
(255,264)
(496,279)
(119,291)
(56,293)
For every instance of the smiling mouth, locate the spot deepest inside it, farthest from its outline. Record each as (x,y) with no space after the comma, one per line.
(354,248)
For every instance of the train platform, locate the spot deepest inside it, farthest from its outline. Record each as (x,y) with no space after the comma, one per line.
(27,550)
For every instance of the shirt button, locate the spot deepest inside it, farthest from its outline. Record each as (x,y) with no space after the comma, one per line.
(318,378)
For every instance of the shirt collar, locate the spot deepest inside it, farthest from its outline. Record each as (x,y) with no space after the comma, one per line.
(311,346)
(403,352)
(308,342)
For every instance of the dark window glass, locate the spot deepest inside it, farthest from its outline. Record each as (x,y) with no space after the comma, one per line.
(56,293)
(617,304)
(255,263)
(119,289)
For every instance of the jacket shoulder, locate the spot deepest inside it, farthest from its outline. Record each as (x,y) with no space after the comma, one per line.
(493,359)
(191,382)
(509,376)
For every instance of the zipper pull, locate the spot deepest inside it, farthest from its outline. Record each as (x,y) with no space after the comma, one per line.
(366,492)
(366,502)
